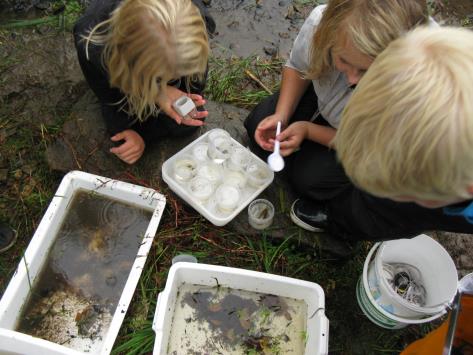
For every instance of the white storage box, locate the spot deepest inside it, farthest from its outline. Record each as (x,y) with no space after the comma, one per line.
(18,291)
(317,326)
(195,155)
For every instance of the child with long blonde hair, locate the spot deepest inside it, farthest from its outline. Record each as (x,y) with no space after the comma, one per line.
(335,47)
(139,56)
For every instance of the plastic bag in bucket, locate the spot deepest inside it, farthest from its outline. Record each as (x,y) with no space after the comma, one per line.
(437,275)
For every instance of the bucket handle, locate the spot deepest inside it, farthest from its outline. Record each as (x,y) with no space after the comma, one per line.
(379,308)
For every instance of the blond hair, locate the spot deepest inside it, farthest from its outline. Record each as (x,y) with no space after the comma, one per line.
(148,43)
(408,128)
(370,24)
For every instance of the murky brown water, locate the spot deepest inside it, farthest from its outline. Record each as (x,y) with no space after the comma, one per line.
(219,320)
(86,270)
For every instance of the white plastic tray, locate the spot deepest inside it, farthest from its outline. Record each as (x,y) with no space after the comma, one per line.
(209,209)
(18,290)
(202,274)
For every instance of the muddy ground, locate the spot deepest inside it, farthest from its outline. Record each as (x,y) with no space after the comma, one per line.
(44,103)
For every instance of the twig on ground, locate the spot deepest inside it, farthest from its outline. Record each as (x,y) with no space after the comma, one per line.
(259,82)
(73,153)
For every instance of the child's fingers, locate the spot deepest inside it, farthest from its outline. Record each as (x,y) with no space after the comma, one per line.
(121,149)
(193,122)
(196,97)
(200,114)
(118,137)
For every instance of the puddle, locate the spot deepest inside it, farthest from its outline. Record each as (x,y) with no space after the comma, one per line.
(219,320)
(75,296)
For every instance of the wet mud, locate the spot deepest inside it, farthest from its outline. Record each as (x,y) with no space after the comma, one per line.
(246,27)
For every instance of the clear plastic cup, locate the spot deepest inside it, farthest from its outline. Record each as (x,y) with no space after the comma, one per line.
(257,174)
(184,169)
(201,188)
(260,214)
(199,152)
(217,132)
(220,149)
(239,159)
(227,198)
(235,178)
(211,171)
(186,258)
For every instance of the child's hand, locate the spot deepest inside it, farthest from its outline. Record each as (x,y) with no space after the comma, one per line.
(171,95)
(292,137)
(266,131)
(132,149)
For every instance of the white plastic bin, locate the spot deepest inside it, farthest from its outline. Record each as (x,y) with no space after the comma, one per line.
(240,279)
(18,290)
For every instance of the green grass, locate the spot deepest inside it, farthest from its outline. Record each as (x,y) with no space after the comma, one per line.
(229,82)
(62,16)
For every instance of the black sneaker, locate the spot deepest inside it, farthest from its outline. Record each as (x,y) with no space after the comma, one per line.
(7,237)
(309,215)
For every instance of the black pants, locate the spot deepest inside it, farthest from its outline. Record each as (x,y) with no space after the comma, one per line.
(315,173)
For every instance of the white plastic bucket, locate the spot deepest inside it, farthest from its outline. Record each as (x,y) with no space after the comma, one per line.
(383,306)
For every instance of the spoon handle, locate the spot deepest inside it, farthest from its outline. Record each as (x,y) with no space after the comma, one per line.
(276,143)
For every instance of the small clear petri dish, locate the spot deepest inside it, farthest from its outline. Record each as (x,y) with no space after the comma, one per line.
(184,169)
(216,133)
(260,214)
(211,171)
(220,149)
(201,188)
(235,178)
(227,198)
(239,159)
(257,174)
(199,151)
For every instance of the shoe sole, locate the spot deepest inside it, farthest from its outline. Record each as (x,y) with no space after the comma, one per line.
(299,222)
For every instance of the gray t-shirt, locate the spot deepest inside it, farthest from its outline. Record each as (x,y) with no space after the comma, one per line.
(333,92)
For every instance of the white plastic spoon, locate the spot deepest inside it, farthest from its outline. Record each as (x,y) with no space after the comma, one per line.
(275,160)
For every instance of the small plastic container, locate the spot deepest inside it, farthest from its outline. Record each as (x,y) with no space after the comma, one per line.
(184,106)
(235,178)
(220,149)
(216,132)
(260,214)
(227,198)
(184,258)
(184,169)
(199,152)
(239,159)
(201,188)
(211,171)
(257,174)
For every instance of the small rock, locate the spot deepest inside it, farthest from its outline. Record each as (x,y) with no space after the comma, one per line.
(284,35)
(233,25)
(234,46)
(207,2)
(283,3)
(270,50)
(111,281)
